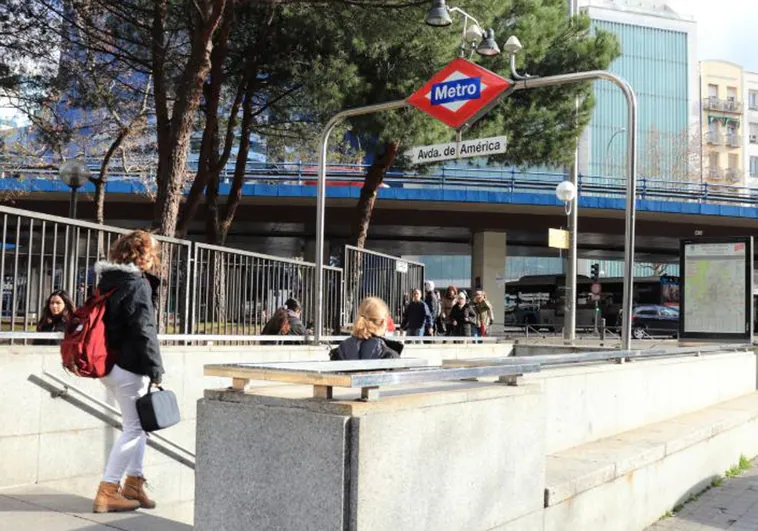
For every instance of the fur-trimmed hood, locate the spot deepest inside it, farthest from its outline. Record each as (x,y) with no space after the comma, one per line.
(106,267)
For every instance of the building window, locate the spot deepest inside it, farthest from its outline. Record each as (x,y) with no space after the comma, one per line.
(713,159)
(754,133)
(753,166)
(731,93)
(713,91)
(752,98)
(734,162)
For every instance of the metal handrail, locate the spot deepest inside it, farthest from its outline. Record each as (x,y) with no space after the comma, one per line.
(554,360)
(68,387)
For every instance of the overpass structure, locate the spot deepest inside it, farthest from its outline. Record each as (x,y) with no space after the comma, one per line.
(448,210)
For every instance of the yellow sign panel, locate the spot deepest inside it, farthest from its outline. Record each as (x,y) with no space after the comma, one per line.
(558,239)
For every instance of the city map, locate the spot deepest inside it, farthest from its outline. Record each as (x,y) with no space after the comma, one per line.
(714,288)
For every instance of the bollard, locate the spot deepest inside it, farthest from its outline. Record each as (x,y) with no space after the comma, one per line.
(602,329)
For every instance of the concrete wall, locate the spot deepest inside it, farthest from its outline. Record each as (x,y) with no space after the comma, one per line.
(463,456)
(56,444)
(587,403)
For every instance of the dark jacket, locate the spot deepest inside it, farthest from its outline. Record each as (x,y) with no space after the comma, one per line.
(417,316)
(131,329)
(374,348)
(296,325)
(433,303)
(56,324)
(465,318)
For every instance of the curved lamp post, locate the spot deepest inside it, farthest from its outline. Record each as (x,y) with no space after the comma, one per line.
(75,174)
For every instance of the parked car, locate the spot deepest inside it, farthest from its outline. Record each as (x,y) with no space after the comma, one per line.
(655,320)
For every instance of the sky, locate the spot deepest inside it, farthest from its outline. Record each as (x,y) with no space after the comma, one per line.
(726,29)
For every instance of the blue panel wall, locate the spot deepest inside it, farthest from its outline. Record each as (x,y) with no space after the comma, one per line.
(655,63)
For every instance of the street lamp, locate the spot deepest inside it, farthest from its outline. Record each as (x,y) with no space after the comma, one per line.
(74,174)
(473,36)
(608,149)
(566,192)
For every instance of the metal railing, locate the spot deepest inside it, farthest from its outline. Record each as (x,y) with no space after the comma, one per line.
(714,138)
(236,292)
(734,140)
(205,289)
(495,179)
(368,273)
(40,253)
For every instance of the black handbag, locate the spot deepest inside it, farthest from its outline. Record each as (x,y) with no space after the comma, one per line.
(157,410)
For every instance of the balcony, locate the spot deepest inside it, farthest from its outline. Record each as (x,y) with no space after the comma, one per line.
(734,175)
(714,138)
(715,174)
(733,140)
(728,105)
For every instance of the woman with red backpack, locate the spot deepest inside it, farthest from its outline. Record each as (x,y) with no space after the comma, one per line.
(131,332)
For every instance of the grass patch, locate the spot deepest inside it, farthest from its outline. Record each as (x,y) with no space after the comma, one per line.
(742,465)
(717,481)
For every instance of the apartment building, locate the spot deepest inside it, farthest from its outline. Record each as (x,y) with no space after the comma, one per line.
(722,122)
(750,95)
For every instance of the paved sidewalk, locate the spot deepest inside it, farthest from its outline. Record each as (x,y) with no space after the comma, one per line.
(40,509)
(732,506)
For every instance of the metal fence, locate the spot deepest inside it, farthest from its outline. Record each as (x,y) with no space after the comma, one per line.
(236,292)
(40,254)
(205,289)
(368,274)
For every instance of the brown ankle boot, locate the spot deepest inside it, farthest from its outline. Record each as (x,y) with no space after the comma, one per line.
(134,489)
(109,499)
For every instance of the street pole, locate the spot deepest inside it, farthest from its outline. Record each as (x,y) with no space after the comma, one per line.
(569,319)
(520,83)
(72,203)
(608,150)
(321,199)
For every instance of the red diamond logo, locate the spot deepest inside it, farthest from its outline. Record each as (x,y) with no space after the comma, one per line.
(457,92)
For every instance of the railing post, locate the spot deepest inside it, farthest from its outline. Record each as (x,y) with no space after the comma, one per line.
(644,187)
(513,178)
(299,172)
(443,177)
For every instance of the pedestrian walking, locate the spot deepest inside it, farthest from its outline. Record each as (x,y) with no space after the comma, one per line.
(446,303)
(131,331)
(367,341)
(432,301)
(462,317)
(484,314)
(417,318)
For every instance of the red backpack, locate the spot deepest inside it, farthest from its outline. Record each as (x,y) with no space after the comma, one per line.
(83,350)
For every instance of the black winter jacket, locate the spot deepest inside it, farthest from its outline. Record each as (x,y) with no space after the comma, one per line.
(130,318)
(465,319)
(375,348)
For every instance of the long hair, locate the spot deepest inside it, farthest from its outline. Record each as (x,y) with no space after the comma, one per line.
(47,316)
(454,291)
(372,318)
(279,325)
(138,248)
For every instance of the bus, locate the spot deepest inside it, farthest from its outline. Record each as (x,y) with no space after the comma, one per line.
(539,300)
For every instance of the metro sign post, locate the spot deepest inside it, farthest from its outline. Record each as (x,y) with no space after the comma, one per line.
(458,95)
(458,92)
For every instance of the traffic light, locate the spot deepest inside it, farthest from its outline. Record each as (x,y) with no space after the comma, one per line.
(595,272)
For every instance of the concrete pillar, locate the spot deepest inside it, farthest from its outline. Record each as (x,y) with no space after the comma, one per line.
(488,271)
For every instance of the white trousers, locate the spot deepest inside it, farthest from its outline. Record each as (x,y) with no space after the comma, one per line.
(129,450)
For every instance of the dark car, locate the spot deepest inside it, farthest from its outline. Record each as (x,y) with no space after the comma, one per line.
(655,320)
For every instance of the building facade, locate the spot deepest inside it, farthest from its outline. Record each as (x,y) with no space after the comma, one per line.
(750,128)
(722,123)
(658,58)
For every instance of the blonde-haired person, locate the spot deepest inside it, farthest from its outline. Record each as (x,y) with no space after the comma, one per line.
(131,331)
(368,341)
(484,314)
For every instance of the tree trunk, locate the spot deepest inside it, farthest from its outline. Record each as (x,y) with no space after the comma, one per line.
(374,179)
(209,159)
(173,143)
(365,207)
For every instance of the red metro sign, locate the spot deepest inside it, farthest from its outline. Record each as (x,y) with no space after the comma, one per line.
(457,92)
